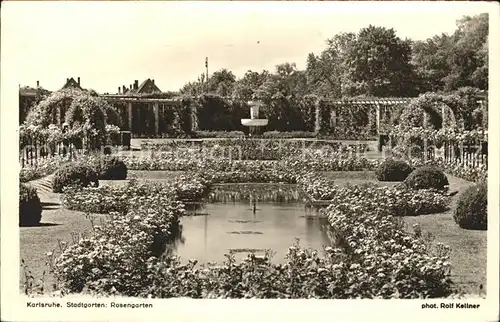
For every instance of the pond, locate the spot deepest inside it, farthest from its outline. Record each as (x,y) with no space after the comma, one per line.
(217,228)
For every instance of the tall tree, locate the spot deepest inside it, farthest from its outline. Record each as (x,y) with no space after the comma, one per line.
(326,72)
(194,88)
(378,64)
(244,88)
(221,82)
(468,59)
(451,62)
(429,59)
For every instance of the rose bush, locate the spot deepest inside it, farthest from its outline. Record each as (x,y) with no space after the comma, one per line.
(115,258)
(253,149)
(106,199)
(42,168)
(392,261)
(400,200)
(392,264)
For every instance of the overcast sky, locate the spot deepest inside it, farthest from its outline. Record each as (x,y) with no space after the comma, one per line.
(109,44)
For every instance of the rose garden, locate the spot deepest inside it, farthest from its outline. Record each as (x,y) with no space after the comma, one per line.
(161,195)
(107,220)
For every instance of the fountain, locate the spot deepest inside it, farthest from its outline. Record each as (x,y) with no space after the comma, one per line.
(254,122)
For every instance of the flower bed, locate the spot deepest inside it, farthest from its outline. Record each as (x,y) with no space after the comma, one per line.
(42,168)
(288,135)
(390,262)
(117,255)
(305,160)
(400,200)
(49,165)
(373,256)
(218,134)
(317,187)
(167,161)
(474,174)
(324,161)
(306,274)
(108,199)
(397,268)
(253,149)
(442,135)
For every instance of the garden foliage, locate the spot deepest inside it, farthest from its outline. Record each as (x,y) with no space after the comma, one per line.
(379,259)
(111,168)
(107,199)
(30,207)
(387,261)
(393,170)
(74,174)
(118,255)
(399,200)
(427,177)
(471,211)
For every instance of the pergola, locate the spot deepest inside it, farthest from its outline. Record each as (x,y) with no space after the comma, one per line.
(378,103)
(150,103)
(384,102)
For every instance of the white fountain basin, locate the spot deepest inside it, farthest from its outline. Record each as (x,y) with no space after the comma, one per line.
(254,122)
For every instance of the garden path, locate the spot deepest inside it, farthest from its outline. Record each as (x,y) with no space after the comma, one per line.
(43,187)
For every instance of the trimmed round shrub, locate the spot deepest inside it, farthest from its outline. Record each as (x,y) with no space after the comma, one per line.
(30,207)
(112,169)
(393,170)
(427,177)
(471,211)
(74,175)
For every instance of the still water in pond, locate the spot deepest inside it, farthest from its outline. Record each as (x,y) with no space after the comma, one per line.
(235,226)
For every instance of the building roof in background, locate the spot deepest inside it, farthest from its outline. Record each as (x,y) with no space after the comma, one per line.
(72,83)
(148,86)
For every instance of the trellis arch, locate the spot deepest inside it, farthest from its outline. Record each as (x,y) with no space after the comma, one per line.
(422,111)
(53,108)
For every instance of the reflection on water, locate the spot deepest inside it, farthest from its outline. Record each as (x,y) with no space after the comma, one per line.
(235,226)
(278,193)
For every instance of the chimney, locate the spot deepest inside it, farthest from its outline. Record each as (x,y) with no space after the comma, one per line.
(37,84)
(119,90)
(124,89)
(78,80)
(136,84)
(153,81)
(67,80)
(130,86)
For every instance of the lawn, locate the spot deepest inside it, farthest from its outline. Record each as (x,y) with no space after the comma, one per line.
(57,224)
(355,177)
(468,258)
(469,247)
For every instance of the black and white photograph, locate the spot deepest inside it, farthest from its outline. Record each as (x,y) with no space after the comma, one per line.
(180,151)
